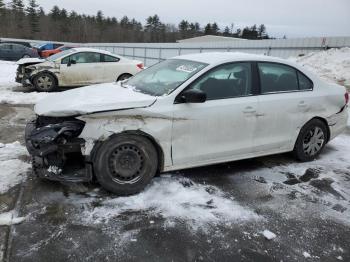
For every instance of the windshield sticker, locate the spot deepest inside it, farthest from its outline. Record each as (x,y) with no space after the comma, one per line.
(186,68)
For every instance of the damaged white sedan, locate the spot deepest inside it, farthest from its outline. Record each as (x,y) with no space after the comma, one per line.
(75,67)
(189,111)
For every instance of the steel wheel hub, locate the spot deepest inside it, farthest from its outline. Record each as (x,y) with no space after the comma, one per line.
(44,82)
(126,163)
(313,141)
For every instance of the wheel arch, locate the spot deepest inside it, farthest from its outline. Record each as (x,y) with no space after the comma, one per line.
(322,120)
(46,72)
(160,152)
(120,75)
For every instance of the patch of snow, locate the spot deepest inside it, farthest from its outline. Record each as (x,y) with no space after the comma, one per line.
(175,199)
(268,234)
(332,65)
(306,254)
(54,169)
(10,218)
(13,170)
(12,92)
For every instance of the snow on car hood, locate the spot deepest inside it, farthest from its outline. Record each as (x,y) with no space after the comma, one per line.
(29,61)
(92,99)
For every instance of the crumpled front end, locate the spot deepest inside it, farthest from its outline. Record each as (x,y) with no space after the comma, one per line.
(24,75)
(56,149)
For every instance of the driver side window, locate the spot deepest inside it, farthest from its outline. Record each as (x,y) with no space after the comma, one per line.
(226,81)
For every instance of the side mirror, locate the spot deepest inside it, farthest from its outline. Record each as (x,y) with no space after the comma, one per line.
(71,62)
(193,96)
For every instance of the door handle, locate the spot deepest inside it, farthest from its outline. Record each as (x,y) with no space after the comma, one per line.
(249,110)
(302,104)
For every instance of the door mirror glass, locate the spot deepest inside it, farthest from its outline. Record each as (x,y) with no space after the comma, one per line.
(193,96)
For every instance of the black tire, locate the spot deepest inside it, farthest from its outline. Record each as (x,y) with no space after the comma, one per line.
(311,140)
(124,77)
(45,82)
(125,164)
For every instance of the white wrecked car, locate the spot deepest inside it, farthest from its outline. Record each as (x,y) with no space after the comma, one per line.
(75,67)
(189,111)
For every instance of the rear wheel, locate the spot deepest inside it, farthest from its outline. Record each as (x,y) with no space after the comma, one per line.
(125,164)
(45,82)
(124,77)
(311,140)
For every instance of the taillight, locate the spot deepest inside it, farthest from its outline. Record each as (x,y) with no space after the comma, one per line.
(140,65)
(346,98)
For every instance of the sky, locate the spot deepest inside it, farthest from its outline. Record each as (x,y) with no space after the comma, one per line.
(293,18)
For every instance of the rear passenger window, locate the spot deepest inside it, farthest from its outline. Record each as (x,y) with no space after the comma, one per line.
(108,58)
(226,81)
(304,82)
(277,78)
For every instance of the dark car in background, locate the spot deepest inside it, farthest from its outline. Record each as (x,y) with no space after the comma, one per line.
(27,44)
(14,52)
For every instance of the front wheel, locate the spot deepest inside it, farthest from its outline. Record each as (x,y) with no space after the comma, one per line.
(45,82)
(125,164)
(311,140)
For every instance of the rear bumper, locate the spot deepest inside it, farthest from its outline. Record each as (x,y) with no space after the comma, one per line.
(338,122)
(57,159)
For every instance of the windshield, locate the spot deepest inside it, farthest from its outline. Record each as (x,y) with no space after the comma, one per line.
(164,77)
(59,55)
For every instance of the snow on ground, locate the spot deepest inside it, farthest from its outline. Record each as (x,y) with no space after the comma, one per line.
(10,218)
(332,65)
(175,198)
(13,169)
(327,187)
(12,92)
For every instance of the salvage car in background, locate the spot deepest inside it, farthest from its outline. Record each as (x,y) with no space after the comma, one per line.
(40,47)
(14,52)
(47,53)
(189,111)
(75,67)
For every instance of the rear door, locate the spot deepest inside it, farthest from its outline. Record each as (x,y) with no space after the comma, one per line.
(283,105)
(84,68)
(112,68)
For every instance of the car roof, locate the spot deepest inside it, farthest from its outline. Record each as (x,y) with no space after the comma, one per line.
(222,57)
(86,49)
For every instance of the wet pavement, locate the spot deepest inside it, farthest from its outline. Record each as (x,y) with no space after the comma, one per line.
(215,213)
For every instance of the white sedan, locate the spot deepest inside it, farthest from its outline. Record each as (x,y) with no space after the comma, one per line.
(75,67)
(189,111)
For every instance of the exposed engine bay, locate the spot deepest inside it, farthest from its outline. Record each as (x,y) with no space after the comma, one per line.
(56,149)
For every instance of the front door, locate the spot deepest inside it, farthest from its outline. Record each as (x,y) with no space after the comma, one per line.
(222,128)
(84,68)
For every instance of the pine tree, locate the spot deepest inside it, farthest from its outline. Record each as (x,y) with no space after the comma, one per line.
(32,13)
(215,29)
(17,8)
(262,31)
(55,13)
(207,29)
(227,31)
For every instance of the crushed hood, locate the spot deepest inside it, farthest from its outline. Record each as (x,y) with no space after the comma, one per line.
(92,99)
(32,61)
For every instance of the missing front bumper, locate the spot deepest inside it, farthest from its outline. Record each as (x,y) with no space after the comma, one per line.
(56,150)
